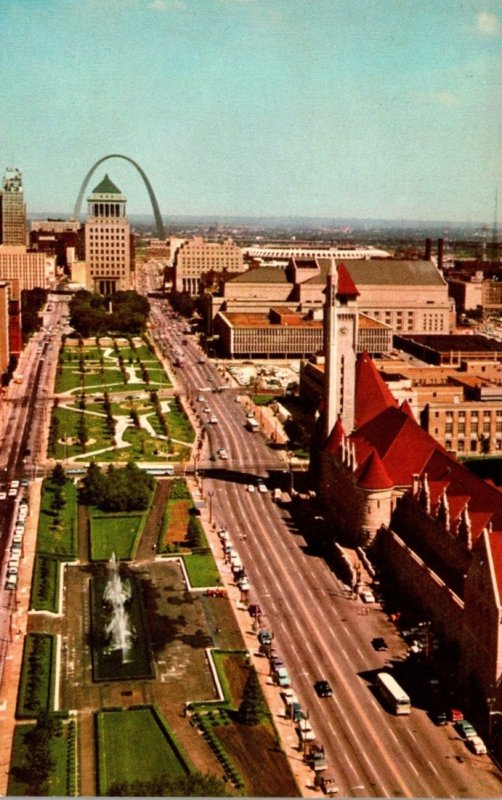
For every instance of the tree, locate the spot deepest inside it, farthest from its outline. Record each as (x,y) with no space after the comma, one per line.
(253,708)
(58,475)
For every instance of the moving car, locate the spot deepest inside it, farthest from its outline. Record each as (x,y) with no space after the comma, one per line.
(367,596)
(250,487)
(323,688)
(261,487)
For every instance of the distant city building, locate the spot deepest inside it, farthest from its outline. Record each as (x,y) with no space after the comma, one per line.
(264,254)
(56,237)
(4,325)
(196,258)
(279,334)
(13,229)
(408,296)
(32,270)
(108,247)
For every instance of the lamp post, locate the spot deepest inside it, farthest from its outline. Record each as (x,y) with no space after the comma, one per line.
(210,494)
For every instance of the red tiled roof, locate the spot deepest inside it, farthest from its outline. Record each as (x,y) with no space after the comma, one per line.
(406,409)
(334,440)
(373,474)
(345,284)
(372,393)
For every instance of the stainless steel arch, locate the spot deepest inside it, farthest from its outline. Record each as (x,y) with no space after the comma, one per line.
(155,206)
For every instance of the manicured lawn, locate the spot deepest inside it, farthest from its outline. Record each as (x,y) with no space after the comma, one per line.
(45,583)
(62,778)
(115,533)
(36,683)
(57,527)
(135,745)
(202,569)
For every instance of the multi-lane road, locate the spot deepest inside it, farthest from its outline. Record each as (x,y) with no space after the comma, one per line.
(319,630)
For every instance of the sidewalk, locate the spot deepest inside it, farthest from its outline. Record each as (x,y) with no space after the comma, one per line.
(304,776)
(18,629)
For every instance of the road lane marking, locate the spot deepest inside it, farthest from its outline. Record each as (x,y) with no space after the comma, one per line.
(431,765)
(415,770)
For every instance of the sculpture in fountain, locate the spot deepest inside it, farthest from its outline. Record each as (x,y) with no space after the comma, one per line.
(116,596)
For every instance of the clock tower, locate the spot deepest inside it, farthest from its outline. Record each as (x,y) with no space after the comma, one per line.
(340,340)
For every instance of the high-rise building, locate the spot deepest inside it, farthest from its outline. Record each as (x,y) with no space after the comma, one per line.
(12,209)
(108,249)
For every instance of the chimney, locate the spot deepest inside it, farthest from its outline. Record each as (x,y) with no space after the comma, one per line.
(428,249)
(440,253)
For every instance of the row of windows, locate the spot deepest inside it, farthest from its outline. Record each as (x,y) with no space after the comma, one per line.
(474,445)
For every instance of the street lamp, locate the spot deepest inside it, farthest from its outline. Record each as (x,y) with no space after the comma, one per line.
(210,494)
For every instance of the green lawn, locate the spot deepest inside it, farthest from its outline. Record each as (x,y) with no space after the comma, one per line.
(57,527)
(62,777)
(135,745)
(45,583)
(115,533)
(36,683)
(68,419)
(202,569)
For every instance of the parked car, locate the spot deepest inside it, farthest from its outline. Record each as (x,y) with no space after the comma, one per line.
(323,688)
(439,716)
(326,783)
(454,714)
(465,729)
(265,637)
(367,596)
(476,745)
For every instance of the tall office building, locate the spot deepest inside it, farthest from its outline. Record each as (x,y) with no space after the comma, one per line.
(12,209)
(108,249)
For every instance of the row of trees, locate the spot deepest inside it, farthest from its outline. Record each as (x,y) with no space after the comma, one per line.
(124,489)
(92,314)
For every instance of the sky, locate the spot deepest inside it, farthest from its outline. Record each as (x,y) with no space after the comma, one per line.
(382,109)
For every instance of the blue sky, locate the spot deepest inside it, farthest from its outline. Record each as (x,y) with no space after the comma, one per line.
(335,108)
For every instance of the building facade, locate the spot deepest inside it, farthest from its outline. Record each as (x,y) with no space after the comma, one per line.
(13,229)
(196,258)
(32,270)
(108,249)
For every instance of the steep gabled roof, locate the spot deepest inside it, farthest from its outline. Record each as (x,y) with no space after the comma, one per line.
(404,447)
(406,409)
(335,438)
(373,475)
(345,284)
(372,393)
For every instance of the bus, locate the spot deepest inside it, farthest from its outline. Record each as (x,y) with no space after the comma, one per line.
(391,692)
(252,425)
(166,469)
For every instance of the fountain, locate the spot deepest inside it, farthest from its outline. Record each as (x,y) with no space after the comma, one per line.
(116,594)
(120,644)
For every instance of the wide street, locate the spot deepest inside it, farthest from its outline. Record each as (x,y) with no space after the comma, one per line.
(319,630)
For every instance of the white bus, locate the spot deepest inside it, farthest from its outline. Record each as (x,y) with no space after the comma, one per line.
(252,425)
(391,692)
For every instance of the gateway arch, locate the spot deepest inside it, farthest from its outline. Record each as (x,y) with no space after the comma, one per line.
(155,206)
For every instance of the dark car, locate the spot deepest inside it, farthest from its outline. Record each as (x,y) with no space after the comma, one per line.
(323,688)
(439,716)
(379,643)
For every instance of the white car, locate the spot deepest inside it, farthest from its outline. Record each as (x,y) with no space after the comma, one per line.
(250,487)
(223,454)
(262,488)
(477,745)
(367,596)
(213,420)
(3,495)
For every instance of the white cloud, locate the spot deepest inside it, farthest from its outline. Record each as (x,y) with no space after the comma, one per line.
(488,24)
(167,5)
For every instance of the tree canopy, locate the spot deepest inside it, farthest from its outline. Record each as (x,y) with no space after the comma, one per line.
(125,489)
(124,312)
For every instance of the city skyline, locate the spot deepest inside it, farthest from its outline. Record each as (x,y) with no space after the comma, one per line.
(258,107)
